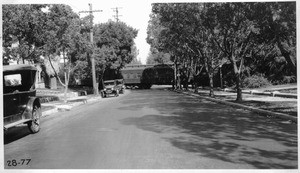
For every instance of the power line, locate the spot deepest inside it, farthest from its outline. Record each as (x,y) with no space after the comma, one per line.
(117,13)
(95,87)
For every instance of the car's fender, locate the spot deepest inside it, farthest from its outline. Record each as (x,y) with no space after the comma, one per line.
(29,107)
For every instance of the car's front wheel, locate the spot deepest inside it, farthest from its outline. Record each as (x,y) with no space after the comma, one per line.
(34,124)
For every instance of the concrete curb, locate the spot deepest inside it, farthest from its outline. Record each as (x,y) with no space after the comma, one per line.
(253,109)
(68,107)
(267,93)
(48,112)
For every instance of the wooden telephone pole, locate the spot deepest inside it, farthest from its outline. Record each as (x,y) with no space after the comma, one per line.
(117,13)
(95,87)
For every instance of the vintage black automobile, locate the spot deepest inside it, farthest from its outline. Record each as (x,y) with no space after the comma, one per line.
(121,85)
(20,103)
(109,88)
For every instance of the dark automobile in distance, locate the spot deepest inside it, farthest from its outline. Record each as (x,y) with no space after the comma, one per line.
(20,103)
(120,85)
(109,87)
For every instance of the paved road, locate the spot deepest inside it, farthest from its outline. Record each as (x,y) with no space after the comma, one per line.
(154,129)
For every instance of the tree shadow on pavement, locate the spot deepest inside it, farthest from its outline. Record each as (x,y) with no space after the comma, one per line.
(217,131)
(274,106)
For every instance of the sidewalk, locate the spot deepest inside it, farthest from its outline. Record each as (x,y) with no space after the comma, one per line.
(59,105)
(270,92)
(266,104)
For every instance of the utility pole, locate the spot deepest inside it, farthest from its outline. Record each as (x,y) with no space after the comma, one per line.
(117,13)
(92,59)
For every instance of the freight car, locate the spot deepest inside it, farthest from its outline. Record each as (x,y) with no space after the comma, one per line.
(144,76)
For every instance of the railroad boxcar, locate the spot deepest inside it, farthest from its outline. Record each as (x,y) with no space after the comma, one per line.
(144,76)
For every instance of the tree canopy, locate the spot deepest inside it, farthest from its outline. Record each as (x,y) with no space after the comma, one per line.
(247,35)
(50,30)
(113,45)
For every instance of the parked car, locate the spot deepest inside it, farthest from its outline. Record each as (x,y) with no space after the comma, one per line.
(20,103)
(120,85)
(109,88)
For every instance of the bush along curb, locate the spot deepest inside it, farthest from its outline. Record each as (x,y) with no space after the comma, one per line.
(253,109)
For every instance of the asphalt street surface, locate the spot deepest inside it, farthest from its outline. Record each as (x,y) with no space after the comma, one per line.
(150,129)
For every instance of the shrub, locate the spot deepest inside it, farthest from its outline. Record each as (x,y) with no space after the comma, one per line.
(256,81)
(289,79)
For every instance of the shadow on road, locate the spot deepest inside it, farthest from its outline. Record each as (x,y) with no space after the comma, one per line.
(216,131)
(16,133)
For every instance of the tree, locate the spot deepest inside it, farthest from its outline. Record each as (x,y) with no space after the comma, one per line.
(165,34)
(48,30)
(134,53)
(156,57)
(114,43)
(23,27)
(234,33)
(180,30)
(277,23)
(248,35)
(62,37)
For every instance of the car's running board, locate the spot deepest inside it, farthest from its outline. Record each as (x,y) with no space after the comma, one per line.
(16,123)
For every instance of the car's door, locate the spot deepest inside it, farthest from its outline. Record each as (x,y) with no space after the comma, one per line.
(27,90)
(11,98)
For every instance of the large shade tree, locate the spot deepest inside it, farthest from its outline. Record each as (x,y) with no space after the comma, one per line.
(206,34)
(277,23)
(23,27)
(114,46)
(180,29)
(50,30)
(234,33)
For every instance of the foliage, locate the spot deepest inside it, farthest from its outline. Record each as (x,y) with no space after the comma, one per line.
(51,67)
(54,30)
(278,31)
(23,27)
(256,81)
(156,57)
(50,30)
(134,53)
(252,36)
(113,46)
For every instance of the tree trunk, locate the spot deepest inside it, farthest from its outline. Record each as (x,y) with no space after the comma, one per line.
(210,71)
(221,78)
(195,84)
(211,84)
(66,87)
(291,63)
(239,97)
(178,81)
(186,85)
(237,72)
(52,83)
(175,75)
